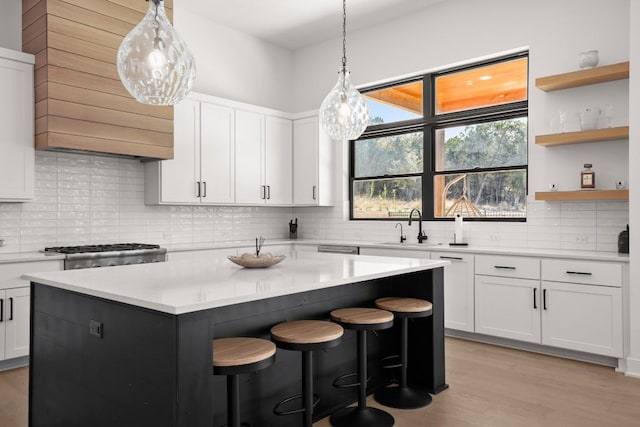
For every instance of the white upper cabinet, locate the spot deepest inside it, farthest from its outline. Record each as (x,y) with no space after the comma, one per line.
(263,159)
(201,171)
(278,161)
(17,161)
(249,154)
(312,157)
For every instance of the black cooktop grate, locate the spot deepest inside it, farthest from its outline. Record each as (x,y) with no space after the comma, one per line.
(117,247)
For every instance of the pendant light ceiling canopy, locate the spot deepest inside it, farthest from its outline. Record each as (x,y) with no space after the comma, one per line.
(154,63)
(344,112)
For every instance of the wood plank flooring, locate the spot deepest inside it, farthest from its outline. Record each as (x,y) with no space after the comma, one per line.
(489,386)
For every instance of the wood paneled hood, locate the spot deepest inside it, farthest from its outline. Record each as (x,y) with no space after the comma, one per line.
(80,102)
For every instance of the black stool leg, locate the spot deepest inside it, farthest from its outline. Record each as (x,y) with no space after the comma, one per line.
(361,416)
(307,388)
(403,396)
(233,401)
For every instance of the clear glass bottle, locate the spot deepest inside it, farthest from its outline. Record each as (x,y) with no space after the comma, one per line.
(587,177)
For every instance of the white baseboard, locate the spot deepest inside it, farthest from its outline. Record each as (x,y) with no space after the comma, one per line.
(633,367)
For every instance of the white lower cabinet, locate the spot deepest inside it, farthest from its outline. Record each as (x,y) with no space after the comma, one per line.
(15,305)
(582,317)
(569,304)
(458,290)
(14,322)
(508,307)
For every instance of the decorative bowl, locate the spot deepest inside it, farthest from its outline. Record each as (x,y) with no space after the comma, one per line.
(588,59)
(252,261)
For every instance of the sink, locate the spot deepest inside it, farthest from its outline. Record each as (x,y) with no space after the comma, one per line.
(410,245)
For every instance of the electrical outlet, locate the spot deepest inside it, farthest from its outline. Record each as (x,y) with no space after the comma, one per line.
(96,328)
(553,187)
(582,239)
(620,184)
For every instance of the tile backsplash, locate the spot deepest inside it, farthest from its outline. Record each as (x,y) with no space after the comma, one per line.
(83,199)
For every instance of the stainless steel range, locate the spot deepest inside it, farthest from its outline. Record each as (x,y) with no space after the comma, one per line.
(109,255)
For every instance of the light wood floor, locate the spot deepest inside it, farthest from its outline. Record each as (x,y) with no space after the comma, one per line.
(489,386)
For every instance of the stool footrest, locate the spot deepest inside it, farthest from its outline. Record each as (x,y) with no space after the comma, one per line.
(279,411)
(338,384)
(386,362)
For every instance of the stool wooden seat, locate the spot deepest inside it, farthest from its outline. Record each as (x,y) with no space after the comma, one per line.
(235,356)
(305,336)
(362,320)
(404,396)
(405,306)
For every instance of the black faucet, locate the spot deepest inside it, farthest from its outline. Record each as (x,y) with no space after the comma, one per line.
(421,236)
(402,236)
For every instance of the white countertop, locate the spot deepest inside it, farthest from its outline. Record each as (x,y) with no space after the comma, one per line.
(427,247)
(208,281)
(10,257)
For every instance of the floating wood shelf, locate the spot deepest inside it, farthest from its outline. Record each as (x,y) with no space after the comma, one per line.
(590,76)
(596,135)
(582,195)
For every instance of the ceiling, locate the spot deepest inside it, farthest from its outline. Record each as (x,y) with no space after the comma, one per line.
(293,24)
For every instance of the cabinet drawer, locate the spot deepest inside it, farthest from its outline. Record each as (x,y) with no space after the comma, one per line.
(589,272)
(508,266)
(10,273)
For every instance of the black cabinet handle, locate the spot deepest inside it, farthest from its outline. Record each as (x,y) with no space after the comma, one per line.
(314,192)
(579,272)
(268,192)
(544,299)
(10,308)
(1,310)
(455,258)
(198,188)
(204,194)
(263,192)
(504,267)
(535,304)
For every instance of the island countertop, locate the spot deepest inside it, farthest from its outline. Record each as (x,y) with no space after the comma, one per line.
(210,281)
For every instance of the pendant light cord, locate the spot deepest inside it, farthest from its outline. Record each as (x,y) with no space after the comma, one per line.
(344,36)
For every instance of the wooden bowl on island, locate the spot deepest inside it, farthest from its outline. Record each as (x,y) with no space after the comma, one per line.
(252,261)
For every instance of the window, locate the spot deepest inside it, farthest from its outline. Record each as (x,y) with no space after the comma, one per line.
(447,143)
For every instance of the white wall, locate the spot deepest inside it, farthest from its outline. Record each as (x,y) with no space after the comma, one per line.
(11,24)
(633,362)
(461,30)
(237,66)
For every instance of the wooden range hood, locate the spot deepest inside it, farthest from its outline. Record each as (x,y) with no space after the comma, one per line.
(81,104)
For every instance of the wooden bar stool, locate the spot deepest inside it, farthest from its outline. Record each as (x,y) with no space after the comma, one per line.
(305,336)
(235,356)
(404,396)
(362,320)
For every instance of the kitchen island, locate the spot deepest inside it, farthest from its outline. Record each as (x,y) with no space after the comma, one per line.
(131,345)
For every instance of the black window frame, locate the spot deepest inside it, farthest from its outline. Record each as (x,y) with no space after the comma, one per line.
(429,123)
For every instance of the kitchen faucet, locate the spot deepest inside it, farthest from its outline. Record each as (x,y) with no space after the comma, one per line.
(403,237)
(421,236)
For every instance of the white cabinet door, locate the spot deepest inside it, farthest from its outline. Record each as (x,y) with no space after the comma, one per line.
(16,317)
(278,161)
(305,161)
(249,154)
(17,147)
(313,171)
(217,161)
(458,290)
(179,176)
(508,307)
(582,317)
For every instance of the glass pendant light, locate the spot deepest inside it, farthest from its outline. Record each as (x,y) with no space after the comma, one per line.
(344,112)
(154,63)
